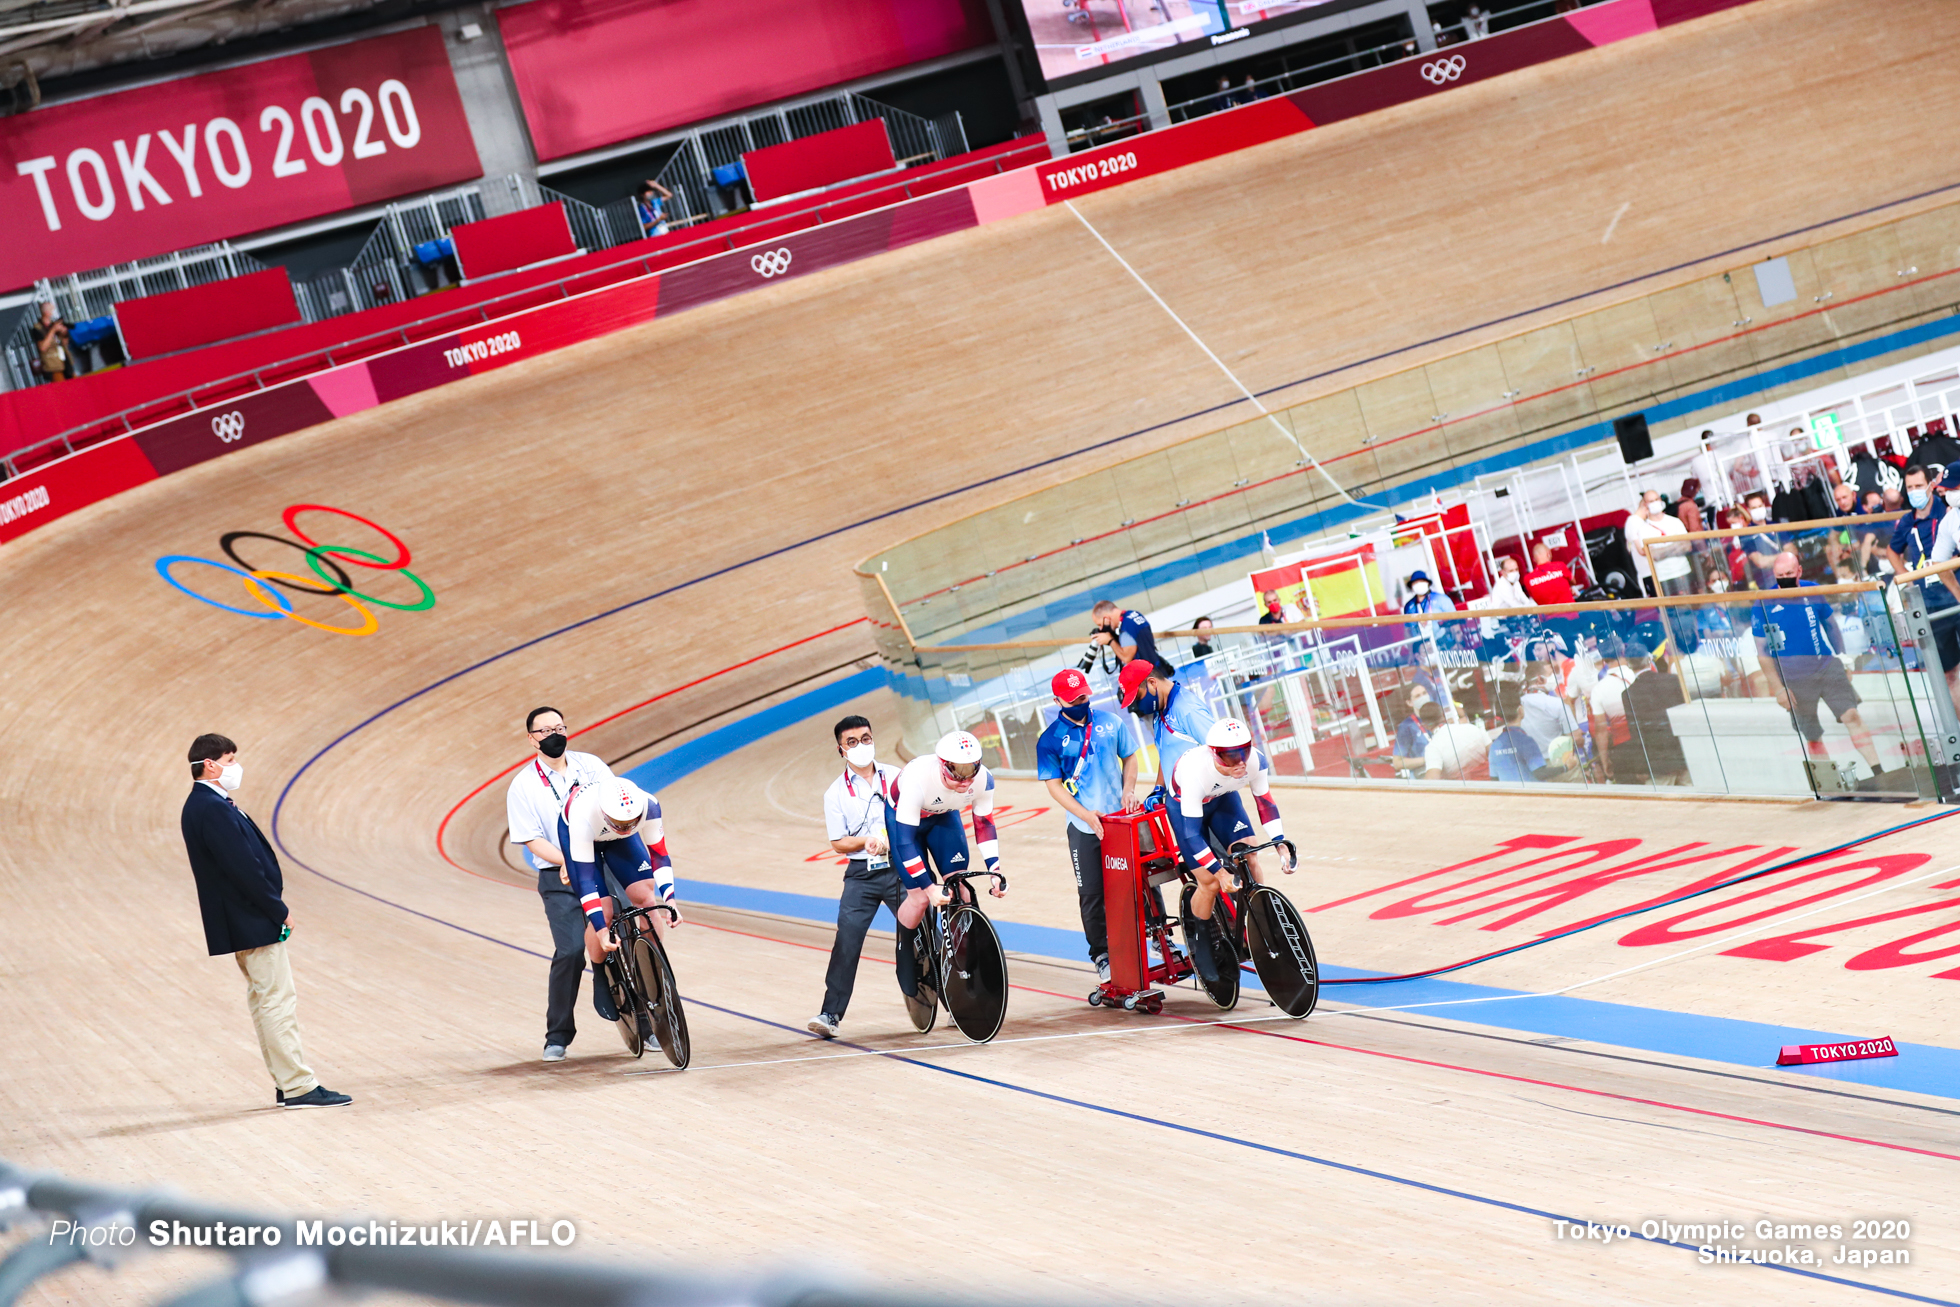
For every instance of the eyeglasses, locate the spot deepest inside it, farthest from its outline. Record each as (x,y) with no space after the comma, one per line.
(548,730)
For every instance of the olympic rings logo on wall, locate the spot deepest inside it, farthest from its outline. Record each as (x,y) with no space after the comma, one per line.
(1444,70)
(771,263)
(228,427)
(321,560)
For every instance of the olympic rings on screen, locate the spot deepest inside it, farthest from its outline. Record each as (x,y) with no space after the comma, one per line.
(1444,70)
(324,560)
(772,263)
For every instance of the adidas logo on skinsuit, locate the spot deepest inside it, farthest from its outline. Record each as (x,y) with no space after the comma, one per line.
(1241,826)
(959,857)
(646,866)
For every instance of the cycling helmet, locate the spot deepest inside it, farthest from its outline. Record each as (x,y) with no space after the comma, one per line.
(622,802)
(1230,744)
(959,761)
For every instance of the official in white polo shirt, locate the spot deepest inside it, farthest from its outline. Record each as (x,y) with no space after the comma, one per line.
(855,809)
(536,799)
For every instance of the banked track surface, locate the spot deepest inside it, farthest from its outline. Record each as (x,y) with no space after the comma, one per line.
(568,486)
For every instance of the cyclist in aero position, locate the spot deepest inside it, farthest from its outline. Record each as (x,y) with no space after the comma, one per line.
(1205,799)
(618,822)
(926,820)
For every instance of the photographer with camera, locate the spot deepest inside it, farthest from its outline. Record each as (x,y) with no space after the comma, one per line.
(1123,631)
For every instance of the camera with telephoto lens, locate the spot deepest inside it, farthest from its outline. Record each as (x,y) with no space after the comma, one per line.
(1093,652)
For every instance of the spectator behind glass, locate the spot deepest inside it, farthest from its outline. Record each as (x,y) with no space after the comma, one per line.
(1547,582)
(1514,754)
(650,207)
(1202,646)
(1272,611)
(1662,565)
(1545,716)
(1759,551)
(1410,737)
(51,343)
(1424,597)
(1458,751)
(1845,496)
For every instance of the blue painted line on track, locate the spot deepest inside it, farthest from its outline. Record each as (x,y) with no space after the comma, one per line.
(1292,1155)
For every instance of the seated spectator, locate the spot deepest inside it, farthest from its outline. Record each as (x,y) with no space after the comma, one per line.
(1547,582)
(1606,702)
(1653,751)
(51,343)
(1457,750)
(1546,717)
(1874,502)
(1202,647)
(1250,91)
(1845,496)
(1424,597)
(1406,755)
(1514,754)
(1272,612)
(650,207)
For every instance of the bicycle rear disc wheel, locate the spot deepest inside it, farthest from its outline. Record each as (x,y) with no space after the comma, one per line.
(617,977)
(1282,951)
(1224,992)
(663,1000)
(976,974)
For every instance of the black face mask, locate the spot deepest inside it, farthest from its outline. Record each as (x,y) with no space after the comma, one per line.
(1787,582)
(553,745)
(1077,713)
(1145,705)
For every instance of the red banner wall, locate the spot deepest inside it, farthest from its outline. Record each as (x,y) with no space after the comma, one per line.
(158,168)
(218,310)
(821,160)
(513,240)
(592,72)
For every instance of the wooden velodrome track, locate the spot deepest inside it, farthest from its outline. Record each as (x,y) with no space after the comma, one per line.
(719,472)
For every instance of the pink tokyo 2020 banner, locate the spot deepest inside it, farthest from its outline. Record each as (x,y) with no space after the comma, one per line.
(592,72)
(145,171)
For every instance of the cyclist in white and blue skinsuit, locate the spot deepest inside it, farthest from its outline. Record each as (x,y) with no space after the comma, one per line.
(618,822)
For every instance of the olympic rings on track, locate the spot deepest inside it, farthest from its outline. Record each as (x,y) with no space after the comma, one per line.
(264,585)
(313,560)
(344,585)
(369,623)
(400,548)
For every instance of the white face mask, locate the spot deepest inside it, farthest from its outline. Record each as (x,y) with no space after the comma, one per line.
(1758,514)
(1511,576)
(1654,508)
(1421,587)
(231,775)
(860,755)
(1953,499)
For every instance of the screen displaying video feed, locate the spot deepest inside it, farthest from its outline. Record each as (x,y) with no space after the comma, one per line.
(1072,37)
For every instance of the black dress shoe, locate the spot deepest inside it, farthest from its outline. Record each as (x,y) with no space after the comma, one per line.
(318,1096)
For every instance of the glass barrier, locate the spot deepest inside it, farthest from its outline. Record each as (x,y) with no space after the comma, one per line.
(1175,523)
(1833,551)
(1821,691)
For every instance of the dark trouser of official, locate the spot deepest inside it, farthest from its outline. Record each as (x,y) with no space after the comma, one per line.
(863,891)
(1085,859)
(561,908)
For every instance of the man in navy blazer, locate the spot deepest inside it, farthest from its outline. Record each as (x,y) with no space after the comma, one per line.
(238,892)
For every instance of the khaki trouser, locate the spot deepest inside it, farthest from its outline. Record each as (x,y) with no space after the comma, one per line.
(274,1004)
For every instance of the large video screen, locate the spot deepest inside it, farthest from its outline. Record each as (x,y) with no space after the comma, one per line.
(1072,37)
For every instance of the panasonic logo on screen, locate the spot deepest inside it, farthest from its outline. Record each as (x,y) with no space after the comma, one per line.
(1226,38)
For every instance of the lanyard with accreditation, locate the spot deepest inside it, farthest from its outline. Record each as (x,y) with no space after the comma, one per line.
(1081,759)
(872,862)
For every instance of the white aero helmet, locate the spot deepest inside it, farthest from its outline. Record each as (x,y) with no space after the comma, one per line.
(622,802)
(1230,743)
(959,760)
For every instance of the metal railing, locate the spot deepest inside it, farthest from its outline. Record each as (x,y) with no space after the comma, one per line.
(80,296)
(70,1223)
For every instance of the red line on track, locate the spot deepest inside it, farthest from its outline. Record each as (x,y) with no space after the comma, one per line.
(1467,1070)
(442,827)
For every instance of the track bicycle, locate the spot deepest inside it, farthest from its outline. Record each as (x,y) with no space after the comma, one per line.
(641,985)
(1257,924)
(960,963)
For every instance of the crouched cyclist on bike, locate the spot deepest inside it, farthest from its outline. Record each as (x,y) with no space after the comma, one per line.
(925,819)
(618,822)
(1205,800)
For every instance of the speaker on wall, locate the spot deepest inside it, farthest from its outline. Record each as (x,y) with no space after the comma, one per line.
(1631,431)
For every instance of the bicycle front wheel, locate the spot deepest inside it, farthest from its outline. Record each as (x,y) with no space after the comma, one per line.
(976,974)
(617,976)
(1282,951)
(665,1013)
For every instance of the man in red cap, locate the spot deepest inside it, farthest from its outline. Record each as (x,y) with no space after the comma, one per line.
(1087,756)
(1174,717)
